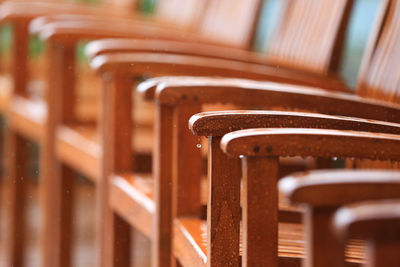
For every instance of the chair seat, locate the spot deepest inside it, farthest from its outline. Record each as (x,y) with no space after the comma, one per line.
(5,92)
(27,117)
(78,146)
(131,196)
(190,244)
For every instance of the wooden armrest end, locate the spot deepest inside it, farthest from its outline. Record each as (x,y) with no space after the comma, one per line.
(371,219)
(335,188)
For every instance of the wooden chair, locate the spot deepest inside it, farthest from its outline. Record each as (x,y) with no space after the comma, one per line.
(62,155)
(376,222)
(322,193)
(117,92)
(174,95)
(260,150)
(28,121)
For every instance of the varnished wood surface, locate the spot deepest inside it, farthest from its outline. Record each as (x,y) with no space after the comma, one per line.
(28,117)
(311,142)
(327,188)
(131,196)
(190,244)
(372,219)
(222,122)
(71,139)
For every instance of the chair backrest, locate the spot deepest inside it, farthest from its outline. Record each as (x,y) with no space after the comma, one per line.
(380,73)
(310,34)
(231,21)
(181,12)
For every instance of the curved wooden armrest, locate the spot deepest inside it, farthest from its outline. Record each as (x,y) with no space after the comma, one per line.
(366,220)
(171,64)
(110,28)
(39,23)
(312,142)
(218,123)
(266,95)
(27,10)
(94,20)
(182,47)
(337,188)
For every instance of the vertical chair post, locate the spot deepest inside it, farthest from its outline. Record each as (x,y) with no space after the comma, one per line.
(162,172)
(260,208)
(187,164)
(223,207)
(321,248)
(17,148)
(19,68)
(17,151)
(57,180)
(187,167)
(113,233)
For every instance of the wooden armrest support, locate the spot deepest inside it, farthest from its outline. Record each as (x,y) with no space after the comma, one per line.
(337,188)
(312,142)
(365,220)
(267,95)
(218,123)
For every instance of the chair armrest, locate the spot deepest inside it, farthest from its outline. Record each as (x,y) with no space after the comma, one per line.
(67,31)
(183,47)
(337,188)
(16,11)
(219,123)
(312,143)
(171,64)
(366,220)
(266,95)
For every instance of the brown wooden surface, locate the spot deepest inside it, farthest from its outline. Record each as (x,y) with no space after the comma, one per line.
(260,212)
(311,142)
(323,192)
(223,207)
(222,122)
(190,244)
(18,155)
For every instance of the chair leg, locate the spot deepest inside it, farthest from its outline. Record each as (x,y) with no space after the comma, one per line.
(57,184)
(114,239)
(17,155)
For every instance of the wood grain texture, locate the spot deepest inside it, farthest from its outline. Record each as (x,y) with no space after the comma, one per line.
(266,95)
(187,169)
(157,63)
(222,122)
(311,142)
(260,212)
(223,207)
